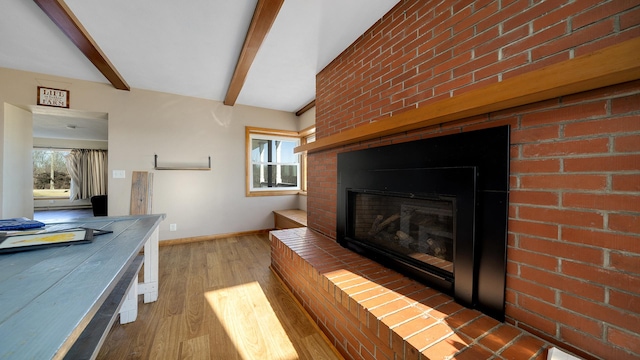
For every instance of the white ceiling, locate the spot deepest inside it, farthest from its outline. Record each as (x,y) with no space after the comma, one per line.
(191,47)
(55,123)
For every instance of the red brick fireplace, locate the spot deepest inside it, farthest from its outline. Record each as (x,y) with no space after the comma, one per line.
(573,257)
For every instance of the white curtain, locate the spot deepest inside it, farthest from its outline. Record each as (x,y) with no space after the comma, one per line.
(88,171)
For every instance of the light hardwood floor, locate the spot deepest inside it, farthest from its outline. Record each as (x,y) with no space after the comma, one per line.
(218,300)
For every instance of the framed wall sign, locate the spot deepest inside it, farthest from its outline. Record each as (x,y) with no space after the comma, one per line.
(53,97)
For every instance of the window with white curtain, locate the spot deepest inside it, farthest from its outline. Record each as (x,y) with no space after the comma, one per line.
(88,171)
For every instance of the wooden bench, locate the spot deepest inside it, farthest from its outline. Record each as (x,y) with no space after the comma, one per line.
(288,219)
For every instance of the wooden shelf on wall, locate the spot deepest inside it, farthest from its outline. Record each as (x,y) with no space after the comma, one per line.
(613,65)
(202,168)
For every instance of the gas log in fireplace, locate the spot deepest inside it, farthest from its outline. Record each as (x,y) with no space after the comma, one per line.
(434,209)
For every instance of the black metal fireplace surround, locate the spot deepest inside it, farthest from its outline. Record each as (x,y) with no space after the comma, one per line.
(434,209)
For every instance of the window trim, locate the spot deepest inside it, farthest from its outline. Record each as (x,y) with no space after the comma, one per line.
(249,132)
(304,136)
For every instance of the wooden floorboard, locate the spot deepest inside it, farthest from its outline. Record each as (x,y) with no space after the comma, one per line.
(218,300)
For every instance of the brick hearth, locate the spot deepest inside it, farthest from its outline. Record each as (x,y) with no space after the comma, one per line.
(371,312)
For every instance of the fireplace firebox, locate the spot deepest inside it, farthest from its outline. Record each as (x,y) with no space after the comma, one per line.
(417,230)
(434,209)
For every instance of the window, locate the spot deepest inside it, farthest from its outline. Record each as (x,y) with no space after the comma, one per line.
(50,176)
(272,166)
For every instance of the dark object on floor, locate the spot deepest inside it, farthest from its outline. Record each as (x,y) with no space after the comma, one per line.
(99,205)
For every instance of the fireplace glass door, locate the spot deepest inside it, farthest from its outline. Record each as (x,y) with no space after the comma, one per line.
(418,230)
(427,235)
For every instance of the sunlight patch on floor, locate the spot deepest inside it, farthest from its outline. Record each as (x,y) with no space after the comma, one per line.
(251,322)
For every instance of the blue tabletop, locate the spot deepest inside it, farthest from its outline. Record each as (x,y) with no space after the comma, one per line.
(48,296)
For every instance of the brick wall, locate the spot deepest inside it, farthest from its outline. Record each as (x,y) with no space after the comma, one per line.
(574,224)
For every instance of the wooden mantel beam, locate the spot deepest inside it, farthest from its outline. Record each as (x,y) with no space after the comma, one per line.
(263,18)
(613,65)
(62,16)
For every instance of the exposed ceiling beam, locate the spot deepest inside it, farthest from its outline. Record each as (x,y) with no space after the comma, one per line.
(62,16)
(306,108)
(263,18)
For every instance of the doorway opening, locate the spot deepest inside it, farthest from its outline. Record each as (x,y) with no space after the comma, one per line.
(56,133)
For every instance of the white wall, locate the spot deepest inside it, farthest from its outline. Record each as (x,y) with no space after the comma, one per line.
(17,167)
(307,119)
(181,130)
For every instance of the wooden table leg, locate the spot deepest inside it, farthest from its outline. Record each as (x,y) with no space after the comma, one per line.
(129,309)
(150,285)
